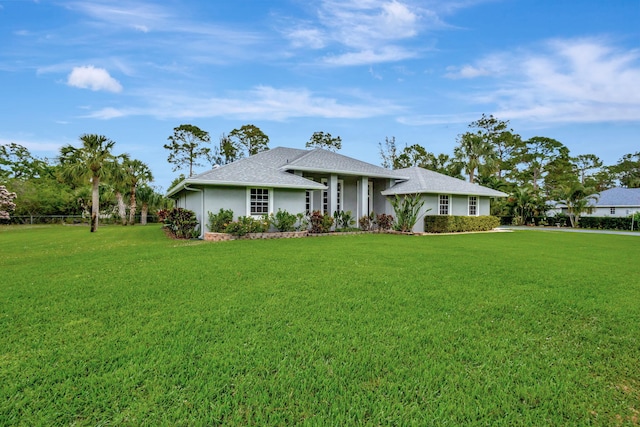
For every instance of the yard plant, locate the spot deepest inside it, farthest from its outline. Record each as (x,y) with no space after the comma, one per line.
(128,327)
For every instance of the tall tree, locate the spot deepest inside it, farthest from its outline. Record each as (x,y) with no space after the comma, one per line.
(474,153)
(250,138)
(149,198)
(497,134)
(185,147)
(414,155)
(388,152)
(324,140)
(136,173)
(16,162)
(585,163)
(534,155)
(225,152)
(118,179)
(88,163)
(628,170)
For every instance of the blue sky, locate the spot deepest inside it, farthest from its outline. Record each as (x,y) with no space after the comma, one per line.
(420,71)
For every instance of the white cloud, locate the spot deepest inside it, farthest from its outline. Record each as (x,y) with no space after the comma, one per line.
(90,77)
(370,31)
(262,102)
(583,80)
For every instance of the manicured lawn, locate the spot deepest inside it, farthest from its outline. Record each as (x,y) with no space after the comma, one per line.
(126,327)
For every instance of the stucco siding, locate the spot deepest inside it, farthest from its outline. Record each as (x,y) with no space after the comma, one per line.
(292,201)
(234,198)
(484,206)
(459,205)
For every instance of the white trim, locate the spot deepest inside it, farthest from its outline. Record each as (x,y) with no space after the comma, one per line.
(448,204)
(269,201)
(477,206)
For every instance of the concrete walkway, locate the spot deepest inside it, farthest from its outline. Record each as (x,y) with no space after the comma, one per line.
(570,230)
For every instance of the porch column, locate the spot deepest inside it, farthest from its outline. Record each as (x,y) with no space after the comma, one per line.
(333,193)
(363,197)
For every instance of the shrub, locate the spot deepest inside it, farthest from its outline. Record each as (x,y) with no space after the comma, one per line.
(219,222)
(606,222)
(344,219)
(283,220)
(457,224)
(182,223)
(247,224)
(384,222)
(320,223)
(406,208)
(367,222)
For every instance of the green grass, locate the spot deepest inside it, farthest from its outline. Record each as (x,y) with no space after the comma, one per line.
(126,327)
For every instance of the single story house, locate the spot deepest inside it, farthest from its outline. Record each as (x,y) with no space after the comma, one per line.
(618,201)
(298,180)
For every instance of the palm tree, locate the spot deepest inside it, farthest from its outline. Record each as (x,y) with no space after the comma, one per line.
(88,163)
(148,197)
(117,178)
(473,152)
(136,173)
(577,198)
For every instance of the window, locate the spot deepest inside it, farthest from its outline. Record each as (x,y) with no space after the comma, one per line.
(308,206)
(325,197)
(612,211)
(339,207)
(443,208)
(259,201)
(473,205)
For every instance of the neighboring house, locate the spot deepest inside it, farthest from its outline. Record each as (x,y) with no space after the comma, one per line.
(617,201)
(299,180)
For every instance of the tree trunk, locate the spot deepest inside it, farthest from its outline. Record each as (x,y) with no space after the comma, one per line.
(132,207)
(143,213)
(122,209)
(95,203)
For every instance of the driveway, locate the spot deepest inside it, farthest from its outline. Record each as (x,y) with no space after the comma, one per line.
(570,230)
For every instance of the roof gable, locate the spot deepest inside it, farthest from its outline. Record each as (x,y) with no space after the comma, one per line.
(320,160)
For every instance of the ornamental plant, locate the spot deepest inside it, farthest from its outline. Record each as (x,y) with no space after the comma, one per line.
(6,202)
(367,222)
(283,220)
(182,223)
(384,222)
(343,219)
(219,222)
(247,224)
(320,223)
(407,209)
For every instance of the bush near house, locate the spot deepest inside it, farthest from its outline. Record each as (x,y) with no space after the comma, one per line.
(246,224)
(606,222)
(457,224)
(320,223)
(219,222)
(182,223)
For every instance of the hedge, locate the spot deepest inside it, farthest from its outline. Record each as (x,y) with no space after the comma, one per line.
(457,224)
(606,222)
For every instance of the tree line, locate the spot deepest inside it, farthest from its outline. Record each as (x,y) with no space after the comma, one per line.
(535,172)
(88,180)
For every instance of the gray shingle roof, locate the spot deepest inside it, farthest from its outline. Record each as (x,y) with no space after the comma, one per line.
(262,169)
(427,181)
(319,160)
(619,197)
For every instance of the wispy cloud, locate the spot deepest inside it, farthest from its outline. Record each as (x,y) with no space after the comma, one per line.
(90,77)
(369,31)
(262,102)
(577,80)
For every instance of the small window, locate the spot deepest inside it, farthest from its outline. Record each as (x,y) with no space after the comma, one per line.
(473,205)
(259,201)
(443,205)
(612,211)
(308,207)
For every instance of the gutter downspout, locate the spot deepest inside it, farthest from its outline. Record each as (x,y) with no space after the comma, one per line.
(186,187)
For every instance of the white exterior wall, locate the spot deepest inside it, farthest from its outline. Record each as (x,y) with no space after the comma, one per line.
(484,206)
(234,198)
(292,201)
(621,211)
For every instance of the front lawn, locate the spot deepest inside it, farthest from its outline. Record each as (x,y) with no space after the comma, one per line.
(127,327)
